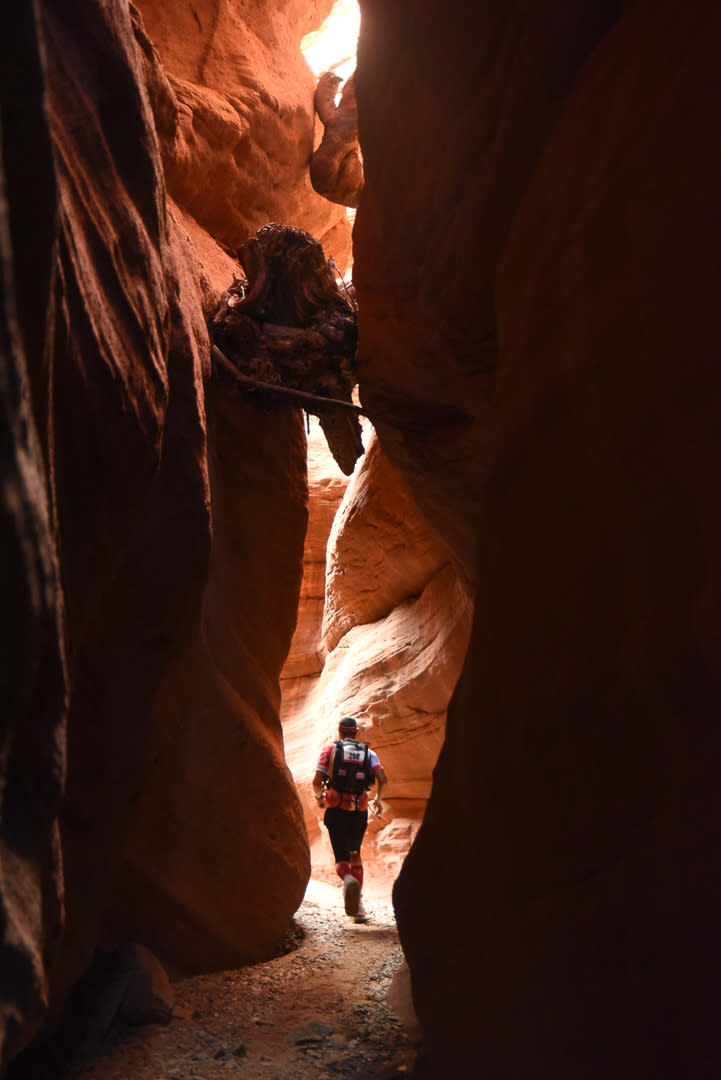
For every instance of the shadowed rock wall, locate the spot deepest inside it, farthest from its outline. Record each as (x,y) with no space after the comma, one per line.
(551,278)
(151,564)
(33,676)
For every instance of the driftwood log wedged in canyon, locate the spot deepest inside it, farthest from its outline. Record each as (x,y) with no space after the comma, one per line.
(289,323)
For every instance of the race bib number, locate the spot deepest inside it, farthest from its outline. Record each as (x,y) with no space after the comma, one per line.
(353,756)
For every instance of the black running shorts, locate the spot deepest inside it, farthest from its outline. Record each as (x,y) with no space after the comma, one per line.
(346,829)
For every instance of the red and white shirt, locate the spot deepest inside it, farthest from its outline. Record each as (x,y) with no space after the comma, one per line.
(345,800)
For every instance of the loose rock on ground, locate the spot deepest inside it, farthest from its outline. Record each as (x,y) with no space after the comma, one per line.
(320,1011)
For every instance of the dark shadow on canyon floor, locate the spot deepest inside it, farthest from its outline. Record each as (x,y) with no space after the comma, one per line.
(324,1009)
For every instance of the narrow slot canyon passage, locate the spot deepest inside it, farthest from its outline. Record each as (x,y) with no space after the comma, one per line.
(384,385)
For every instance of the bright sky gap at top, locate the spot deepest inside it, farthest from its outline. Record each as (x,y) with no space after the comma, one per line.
(333,47)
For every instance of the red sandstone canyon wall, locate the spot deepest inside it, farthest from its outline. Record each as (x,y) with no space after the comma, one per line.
(152,590)
(548,297)
(234,104)
(538,284)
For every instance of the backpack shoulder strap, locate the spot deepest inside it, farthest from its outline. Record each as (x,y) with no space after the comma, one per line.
(331,760)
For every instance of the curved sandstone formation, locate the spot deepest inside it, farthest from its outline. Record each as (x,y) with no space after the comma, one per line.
(381,551)
(236,117)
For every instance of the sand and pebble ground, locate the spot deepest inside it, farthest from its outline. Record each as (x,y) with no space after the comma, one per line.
(328,1008)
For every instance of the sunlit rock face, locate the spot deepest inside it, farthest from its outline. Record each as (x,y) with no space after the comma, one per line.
(306,658)
(389,649)
(326,488)
(382,552)
(236,117)
(551,272)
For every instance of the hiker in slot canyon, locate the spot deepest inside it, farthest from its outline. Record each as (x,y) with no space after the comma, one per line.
(345,771)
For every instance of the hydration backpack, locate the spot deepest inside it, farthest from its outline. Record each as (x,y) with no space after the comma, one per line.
(350,767)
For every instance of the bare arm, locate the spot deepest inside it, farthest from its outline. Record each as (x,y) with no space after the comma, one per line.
(381,781)
(318,786)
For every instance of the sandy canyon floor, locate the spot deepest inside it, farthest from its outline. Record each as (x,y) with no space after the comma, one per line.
(336,1005)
